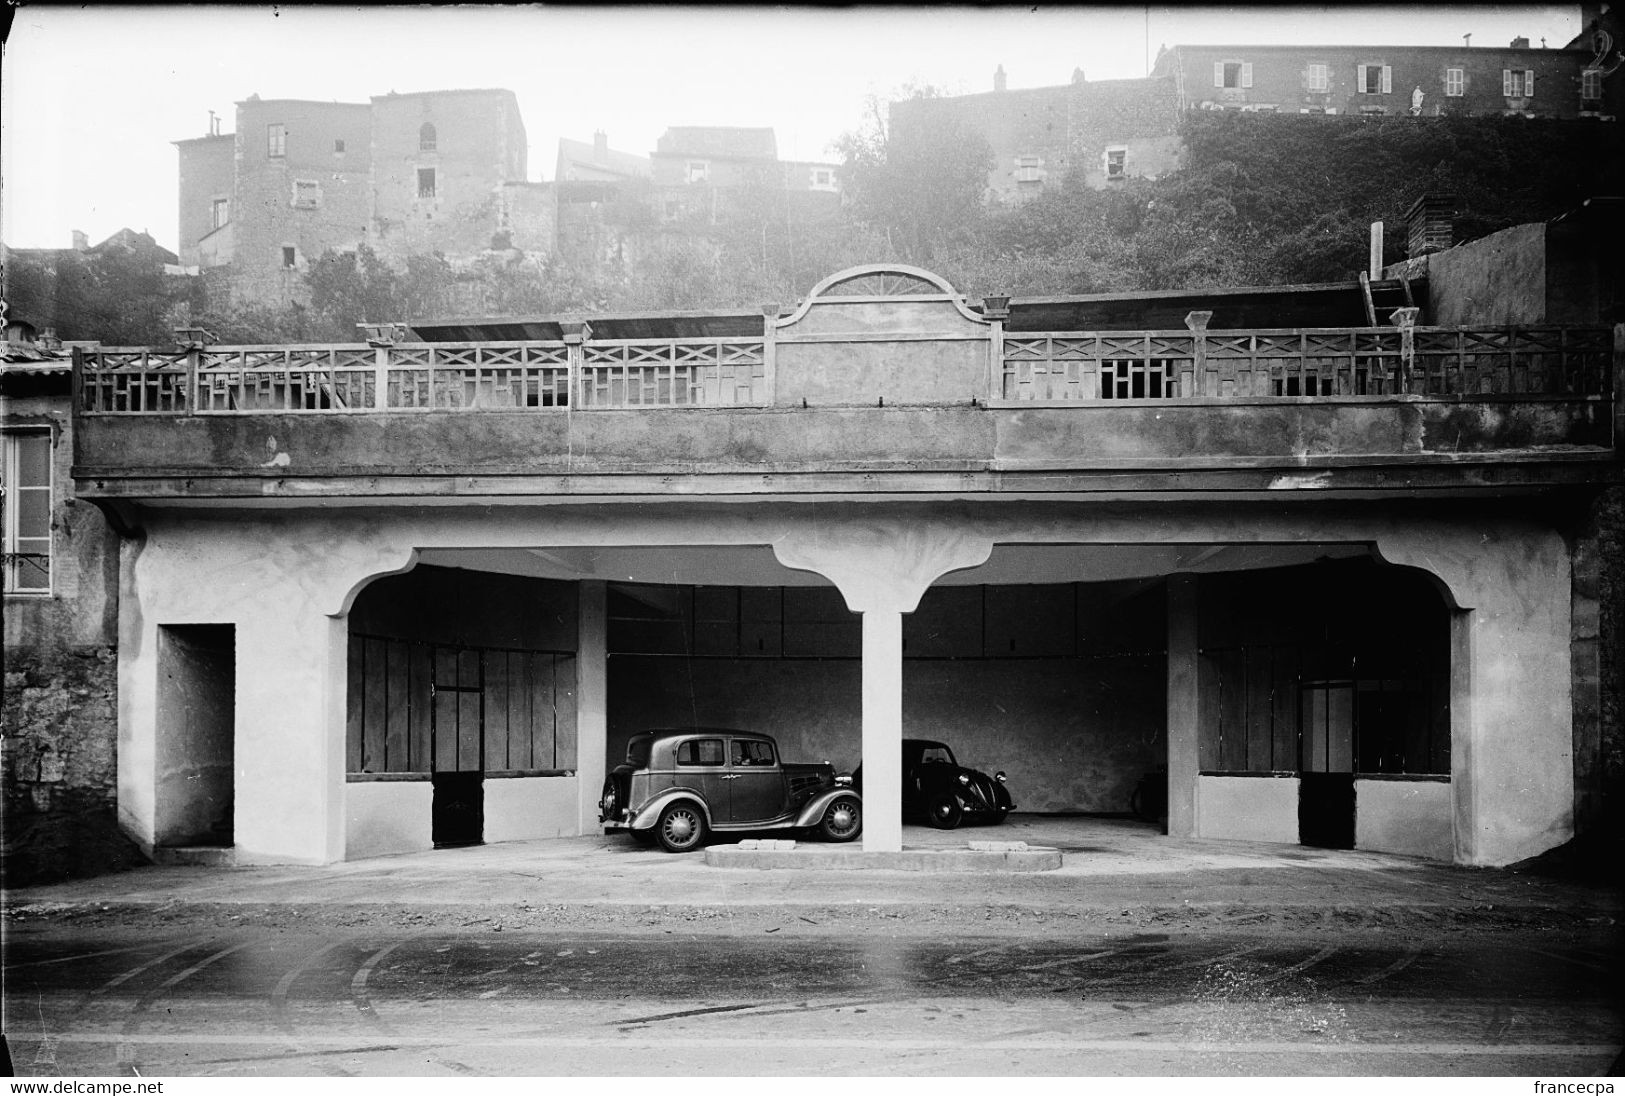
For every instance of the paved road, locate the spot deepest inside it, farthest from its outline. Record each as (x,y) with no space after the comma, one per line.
(650,1000)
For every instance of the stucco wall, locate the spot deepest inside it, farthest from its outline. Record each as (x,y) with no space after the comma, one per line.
(1404,816)
(1073,734)
(527,808)
(1500,279)
(1247,808)
(387,816)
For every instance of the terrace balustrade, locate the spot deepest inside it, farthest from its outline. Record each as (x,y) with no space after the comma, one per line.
(1057,368)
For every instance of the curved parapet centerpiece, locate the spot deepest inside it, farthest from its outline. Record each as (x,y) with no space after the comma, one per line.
(882,334)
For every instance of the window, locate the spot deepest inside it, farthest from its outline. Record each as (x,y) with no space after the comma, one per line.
(307,194)
(28,513)
(1375,79)
(1591,85)
(697,171)
(1455,82)
(1116,163)
(338,145)
(700,751)
(426,187)
(823,178)
(751,753)
(1320,78)
(1518,83)
(276,140)
(1232,74)
(426,137)
(1029,169)
(219,212)
(290,257)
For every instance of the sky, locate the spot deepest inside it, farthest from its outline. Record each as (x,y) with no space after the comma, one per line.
(92,97)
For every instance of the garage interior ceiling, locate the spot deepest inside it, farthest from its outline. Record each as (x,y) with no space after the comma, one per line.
(1009,565)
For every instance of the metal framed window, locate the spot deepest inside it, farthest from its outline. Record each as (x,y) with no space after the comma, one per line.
(27,483)
(427,139)
(276,140)
(1455,82)
(1518,83)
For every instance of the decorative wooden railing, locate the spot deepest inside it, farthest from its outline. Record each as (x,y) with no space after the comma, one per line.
(422,377)
(1076,367)
(1054,367)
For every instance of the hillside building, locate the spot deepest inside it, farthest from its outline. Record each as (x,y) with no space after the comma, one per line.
(402,174)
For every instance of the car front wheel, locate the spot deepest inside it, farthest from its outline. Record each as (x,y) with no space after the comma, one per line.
(843,821)
(681,828)
(946,812)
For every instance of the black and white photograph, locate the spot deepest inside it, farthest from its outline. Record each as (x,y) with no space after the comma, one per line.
(912,545)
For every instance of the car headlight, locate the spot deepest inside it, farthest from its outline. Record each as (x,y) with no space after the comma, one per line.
(964,779)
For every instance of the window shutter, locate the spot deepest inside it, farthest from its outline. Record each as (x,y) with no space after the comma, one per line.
(1359,78)
(1529,83)
(1387,79)
(1246,74)
(1218,74)
(1506,82)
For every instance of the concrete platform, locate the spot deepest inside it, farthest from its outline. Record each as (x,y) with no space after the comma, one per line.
(974,857)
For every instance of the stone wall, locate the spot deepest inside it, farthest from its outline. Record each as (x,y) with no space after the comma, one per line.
(59,714)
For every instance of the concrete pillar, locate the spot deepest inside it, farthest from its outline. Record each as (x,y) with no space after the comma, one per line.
(289,747)
(1511,697)
(882,730)
(592,702)
(1184,706)
(881,568)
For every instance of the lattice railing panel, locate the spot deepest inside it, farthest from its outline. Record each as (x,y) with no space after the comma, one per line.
(674,373)
(1545,361)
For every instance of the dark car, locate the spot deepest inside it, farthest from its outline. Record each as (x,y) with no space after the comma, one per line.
(943,792)
(677,786)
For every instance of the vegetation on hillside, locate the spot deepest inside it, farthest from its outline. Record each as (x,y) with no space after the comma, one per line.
(1260,200)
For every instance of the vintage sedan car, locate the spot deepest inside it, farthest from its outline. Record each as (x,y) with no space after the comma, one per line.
(943,792)
(677,786)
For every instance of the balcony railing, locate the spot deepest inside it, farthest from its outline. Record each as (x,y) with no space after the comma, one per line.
(1051,367)
(1423,361)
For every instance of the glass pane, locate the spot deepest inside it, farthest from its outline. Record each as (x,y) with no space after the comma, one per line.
(33,513)
(33,460)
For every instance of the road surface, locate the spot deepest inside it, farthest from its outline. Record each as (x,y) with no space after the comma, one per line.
(795,998)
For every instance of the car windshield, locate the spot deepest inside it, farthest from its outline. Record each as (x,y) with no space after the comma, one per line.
(936,753)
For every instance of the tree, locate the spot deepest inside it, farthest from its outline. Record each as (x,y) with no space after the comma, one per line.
(916,174)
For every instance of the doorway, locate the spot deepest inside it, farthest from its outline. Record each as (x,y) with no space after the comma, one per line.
(197,695)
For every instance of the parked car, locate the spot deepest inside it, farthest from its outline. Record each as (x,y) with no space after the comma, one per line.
(677,786)
(944,792)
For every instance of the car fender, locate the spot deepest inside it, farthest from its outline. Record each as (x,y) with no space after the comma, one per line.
(649,813)
(815,808)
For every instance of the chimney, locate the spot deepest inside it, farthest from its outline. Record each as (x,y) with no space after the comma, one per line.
(998,78)
(1520,43)
(1431,223)
(600,147)
(1077,76)
(81,242)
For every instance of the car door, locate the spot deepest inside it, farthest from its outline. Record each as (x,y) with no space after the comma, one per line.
(757,781)
(702,764)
